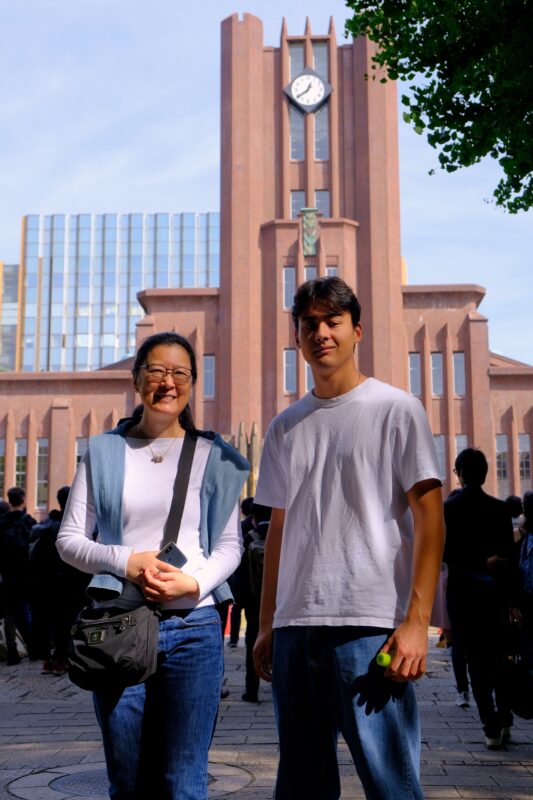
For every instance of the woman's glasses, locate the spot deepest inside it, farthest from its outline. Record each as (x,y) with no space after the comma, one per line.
(156,373)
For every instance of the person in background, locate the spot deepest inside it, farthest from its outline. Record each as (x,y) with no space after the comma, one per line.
(252,560)
(15,530)
(525,571)
(479,552)
(57,591)
(237,577)
(516,510)
(239,580)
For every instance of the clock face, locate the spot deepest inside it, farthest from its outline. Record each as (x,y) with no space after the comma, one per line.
(307,89)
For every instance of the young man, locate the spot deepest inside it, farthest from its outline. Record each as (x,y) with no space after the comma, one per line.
(351,563)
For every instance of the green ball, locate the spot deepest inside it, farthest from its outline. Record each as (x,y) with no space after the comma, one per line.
(383,659)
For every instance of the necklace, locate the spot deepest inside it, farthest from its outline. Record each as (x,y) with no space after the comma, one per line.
(156,457)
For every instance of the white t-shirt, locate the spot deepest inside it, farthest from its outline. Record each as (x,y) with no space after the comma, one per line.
(341,467)
(145,505)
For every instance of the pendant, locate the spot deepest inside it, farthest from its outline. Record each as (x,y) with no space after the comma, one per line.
(157,459)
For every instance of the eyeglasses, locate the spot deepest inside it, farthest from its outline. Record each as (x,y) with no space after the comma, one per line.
(156,373)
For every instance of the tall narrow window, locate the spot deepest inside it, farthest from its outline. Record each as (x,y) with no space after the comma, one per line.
(289,286)
(297,202)
(41,493)
(437,375)
(320,59)
(2,468)
(289,371)
(309,380)
(81,446)
(322,201)
(310,272)
(524,461)
(322,134)
(502,465)
(297,126)
(440,447)
(21,460)
(332,272)
(459,375)
(209,377)
(415,375)
(461,443)
(296,58)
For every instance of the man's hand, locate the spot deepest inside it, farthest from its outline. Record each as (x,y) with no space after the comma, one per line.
(408,647)
(263,654)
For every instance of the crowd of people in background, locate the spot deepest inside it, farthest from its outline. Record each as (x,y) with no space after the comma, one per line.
(40,595)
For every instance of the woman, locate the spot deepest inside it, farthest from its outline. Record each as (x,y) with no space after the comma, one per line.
(157,734)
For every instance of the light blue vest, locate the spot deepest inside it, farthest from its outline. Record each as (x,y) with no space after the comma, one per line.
(224,476)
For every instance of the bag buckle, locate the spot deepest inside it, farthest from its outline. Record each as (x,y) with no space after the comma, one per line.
(96,637)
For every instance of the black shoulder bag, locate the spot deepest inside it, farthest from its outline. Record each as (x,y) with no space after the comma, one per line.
(111,648)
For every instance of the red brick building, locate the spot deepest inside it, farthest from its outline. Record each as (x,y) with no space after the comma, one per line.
(301,128)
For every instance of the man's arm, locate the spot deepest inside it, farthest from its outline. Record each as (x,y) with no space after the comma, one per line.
(409,642)
(263,643)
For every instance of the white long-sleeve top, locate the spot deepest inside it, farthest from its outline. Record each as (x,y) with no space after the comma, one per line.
(146,502)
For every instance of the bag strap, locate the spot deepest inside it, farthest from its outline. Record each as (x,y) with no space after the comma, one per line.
(179,492)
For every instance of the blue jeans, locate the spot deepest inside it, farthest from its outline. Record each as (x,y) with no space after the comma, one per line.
(157,734)
(326,682)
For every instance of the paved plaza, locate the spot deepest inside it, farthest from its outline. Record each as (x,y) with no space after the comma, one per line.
(50,746)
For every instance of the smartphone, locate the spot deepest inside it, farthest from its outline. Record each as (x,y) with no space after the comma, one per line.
(171,554)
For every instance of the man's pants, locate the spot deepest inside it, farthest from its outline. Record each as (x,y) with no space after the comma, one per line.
(480,627)
(326,682)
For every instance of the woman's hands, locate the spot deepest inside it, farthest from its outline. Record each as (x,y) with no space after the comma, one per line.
(138,562)
(160,582)
(164,583)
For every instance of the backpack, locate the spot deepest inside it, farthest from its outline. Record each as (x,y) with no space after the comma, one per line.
(15,545)
(256,559)
(526,562)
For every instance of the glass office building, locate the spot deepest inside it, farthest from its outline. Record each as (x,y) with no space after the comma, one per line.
(82,274)
(9,297)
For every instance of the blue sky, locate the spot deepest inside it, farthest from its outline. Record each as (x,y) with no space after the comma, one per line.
(113,105)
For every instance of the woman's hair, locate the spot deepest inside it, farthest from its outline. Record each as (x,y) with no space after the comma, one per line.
(167,338)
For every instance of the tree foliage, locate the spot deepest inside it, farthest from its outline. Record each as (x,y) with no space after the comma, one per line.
(471,64)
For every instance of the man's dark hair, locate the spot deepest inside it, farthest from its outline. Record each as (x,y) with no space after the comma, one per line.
(62,496)
(16,496)
(330,291)
(246,506)
(472,466)
(514,504)
(168,338)
(261,513)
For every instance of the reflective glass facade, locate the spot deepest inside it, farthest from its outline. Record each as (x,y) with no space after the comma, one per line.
(82,274)
(9,277)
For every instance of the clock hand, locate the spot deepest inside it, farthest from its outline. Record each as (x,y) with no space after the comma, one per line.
(304,92)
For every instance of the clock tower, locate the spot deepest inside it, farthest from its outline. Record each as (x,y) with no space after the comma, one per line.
(309,187)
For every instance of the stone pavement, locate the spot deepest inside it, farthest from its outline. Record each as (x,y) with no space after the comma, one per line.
(50,747)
